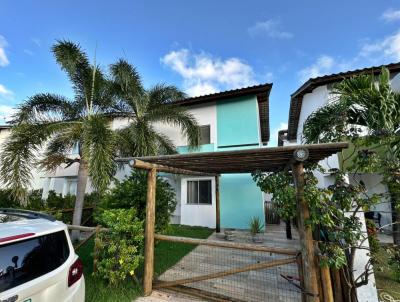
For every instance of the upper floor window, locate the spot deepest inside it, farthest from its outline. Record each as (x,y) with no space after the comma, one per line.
(205,135)
(199,192)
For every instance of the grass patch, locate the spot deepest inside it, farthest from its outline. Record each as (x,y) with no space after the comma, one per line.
(166,255)
(385,282)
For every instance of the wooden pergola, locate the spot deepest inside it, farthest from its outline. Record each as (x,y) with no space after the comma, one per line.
(289,158)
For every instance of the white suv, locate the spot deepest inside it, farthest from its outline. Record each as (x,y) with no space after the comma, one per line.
(37,260)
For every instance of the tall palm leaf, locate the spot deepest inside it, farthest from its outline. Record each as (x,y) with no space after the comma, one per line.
(47,126)
(149,107)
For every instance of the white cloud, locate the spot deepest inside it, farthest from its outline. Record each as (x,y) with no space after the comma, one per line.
(323,65)
(383,50)
(6,112)
(391,15)
(271,28)
(6,93)
(203,73)
(3,57)
(379,52)
(274,133)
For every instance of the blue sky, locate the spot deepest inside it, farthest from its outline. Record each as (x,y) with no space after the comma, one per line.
(200,46)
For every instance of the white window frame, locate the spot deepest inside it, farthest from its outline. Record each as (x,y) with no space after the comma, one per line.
(185,191)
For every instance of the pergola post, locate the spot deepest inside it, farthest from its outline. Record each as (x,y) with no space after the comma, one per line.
(149,232)
(306,238)
(217,206)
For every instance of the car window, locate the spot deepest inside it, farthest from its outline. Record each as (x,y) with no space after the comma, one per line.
(26,260)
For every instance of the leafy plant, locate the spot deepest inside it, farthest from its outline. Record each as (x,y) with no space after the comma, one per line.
(394,261)
(365,111)
(256,226)
(131,193)
(119,250)
(334,213)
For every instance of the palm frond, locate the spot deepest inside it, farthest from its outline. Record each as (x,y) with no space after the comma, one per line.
(326,124)
(127,84)
(74,61)
(44,107)
(165,144)
(18,156)
(177,116)
(162,94)
(59,146)
(99,151)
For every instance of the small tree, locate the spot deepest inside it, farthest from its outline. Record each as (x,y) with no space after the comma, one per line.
(334,217)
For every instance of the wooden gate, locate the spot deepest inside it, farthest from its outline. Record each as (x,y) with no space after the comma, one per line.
(271,213)
(227,271)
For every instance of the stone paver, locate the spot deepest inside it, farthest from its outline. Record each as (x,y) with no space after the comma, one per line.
(260,285)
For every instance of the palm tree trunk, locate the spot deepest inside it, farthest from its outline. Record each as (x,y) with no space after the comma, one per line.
(80,196)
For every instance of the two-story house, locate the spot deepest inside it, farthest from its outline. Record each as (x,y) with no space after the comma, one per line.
(229,120)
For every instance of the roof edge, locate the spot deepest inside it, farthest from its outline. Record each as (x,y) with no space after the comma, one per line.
(312,83)
(263,88)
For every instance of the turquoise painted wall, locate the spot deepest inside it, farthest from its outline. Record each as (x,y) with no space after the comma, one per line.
(202,148)
(241,199)
(237,121)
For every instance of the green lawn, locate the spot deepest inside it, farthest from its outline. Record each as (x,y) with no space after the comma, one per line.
(166,255)
(384,278)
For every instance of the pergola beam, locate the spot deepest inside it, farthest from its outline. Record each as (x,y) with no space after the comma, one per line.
(139,164)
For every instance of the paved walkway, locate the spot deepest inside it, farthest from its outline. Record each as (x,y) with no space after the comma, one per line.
(258,285)
(165,296)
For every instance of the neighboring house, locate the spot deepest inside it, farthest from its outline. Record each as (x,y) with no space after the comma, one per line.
(313,94)
(230,120)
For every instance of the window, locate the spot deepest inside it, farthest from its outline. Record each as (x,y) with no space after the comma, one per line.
(70,186)
(199,192)
(205,135)
(25,260)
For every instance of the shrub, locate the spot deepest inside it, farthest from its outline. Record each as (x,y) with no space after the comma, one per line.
(394,261)
(119,250)
(6,201)
(131,193)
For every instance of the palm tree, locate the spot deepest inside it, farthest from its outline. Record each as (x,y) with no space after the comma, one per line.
(146,108)
(47,126)
(369,109)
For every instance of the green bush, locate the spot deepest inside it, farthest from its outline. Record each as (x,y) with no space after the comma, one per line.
(394,261)
(131,193)
(6,201)
(54,203)
(119,251)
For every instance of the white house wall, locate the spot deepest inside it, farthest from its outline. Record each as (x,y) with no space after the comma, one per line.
(205,114)
(197,214)
(374,185)
(311,102)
